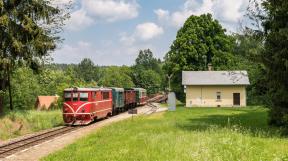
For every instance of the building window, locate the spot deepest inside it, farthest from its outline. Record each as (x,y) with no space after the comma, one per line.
(218,96)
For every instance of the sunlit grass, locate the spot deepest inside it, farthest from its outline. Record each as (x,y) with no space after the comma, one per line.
(18,123)
(186,134)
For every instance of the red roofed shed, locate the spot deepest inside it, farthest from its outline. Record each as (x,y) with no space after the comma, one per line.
(45,102)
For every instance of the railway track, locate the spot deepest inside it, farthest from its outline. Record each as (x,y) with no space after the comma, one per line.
(156,99)
(22,144)
(13,147)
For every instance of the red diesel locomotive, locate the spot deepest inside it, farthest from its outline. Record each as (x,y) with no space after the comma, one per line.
(84,105)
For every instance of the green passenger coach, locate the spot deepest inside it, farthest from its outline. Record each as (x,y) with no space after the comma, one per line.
(118,99)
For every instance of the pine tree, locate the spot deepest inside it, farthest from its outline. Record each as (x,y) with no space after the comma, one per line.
(275,58)
(28,31)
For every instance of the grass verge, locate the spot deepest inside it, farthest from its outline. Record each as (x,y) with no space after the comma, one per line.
(186,134)
(17,123)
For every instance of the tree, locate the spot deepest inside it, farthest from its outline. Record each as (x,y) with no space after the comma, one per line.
(148,79)
(199,42)
(114,76)
(147,72)
(87,71)
(247,52)
(274,17)
(28,31)
(145,58)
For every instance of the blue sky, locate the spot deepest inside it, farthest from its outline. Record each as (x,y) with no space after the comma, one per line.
(111,32)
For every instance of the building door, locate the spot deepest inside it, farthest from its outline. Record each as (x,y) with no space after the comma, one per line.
(236,99)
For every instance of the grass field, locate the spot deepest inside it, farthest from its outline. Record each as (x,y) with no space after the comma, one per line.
(18,123)
(186,134)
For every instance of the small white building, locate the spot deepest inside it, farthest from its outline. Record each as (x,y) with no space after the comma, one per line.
(215,88)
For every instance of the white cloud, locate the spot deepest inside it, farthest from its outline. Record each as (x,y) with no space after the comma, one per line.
(143,32)
(101,55)
(111,10)
(227,12)
(79,20)
(102,11)
(162,14)
(148,30)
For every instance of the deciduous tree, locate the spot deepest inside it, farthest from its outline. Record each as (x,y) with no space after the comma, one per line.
(200,41)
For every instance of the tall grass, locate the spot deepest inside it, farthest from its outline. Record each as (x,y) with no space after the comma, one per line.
(17,123)
(186,134)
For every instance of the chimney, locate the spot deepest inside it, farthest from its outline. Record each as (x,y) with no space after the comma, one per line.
(210,67)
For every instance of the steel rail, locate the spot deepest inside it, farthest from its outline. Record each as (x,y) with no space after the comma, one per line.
(5,150)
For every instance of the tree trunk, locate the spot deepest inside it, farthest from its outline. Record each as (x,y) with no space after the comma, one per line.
(1,105)
(9,88)
(2,88)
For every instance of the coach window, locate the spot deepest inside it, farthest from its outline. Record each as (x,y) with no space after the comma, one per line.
(83,96)
(67,96)
(75,97)
(105,95)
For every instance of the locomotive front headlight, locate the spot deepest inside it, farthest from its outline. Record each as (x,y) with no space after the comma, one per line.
(83,109)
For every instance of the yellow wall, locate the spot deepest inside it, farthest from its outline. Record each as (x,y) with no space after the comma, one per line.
(209,98)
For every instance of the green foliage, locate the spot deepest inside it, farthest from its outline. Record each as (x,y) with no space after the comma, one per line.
(25,88)
(114,76)
(247,51)
(199,42)
(28,31)
(27,85)
(147,61)
(148,79)
(87,71)
(274,17)
(147,72)
(186,134)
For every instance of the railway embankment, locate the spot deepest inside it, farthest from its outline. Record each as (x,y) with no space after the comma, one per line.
(19,123)
(40,150)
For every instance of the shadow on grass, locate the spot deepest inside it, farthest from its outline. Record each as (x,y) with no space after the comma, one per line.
(251,122)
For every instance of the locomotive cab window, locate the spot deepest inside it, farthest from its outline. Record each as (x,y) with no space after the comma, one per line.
(67,96)
(83,96)
(105,95)
(75,97)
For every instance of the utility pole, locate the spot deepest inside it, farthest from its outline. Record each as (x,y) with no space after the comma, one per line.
(169,81)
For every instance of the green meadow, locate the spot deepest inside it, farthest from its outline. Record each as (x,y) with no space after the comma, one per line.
(186,134)
(17,123)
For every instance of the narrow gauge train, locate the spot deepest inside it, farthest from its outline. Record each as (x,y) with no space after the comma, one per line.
(83,105)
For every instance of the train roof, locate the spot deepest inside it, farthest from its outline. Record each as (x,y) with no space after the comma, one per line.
(117,89)
(139,89)
(86,89)
(126,89)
